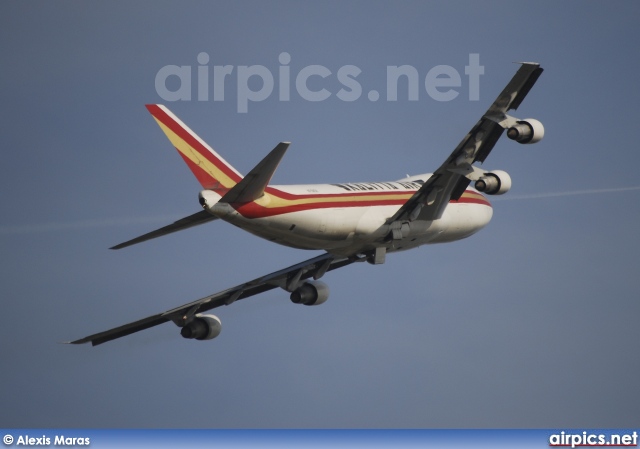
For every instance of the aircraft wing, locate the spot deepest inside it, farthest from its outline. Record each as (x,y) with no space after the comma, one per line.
(287,278)
(449,182)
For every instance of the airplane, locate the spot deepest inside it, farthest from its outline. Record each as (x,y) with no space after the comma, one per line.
(350,222)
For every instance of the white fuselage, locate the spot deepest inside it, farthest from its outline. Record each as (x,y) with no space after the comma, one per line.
(345,219)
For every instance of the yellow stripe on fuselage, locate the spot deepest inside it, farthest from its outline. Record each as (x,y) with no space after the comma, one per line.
(274,201)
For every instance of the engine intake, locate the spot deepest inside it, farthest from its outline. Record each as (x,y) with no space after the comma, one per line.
(526,131)
(494,183)
(311,293)
(202,327)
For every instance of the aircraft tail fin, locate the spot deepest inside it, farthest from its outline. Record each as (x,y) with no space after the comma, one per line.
(211,170)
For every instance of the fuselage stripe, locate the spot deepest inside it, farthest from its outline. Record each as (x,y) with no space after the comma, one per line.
(270,206)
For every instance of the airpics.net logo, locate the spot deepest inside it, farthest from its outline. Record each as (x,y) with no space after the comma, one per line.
(255,83)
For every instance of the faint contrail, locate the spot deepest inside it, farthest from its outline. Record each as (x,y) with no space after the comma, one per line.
(83,224)
(568,193)
(167,219)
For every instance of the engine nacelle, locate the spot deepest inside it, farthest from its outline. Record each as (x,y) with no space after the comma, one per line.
(526,131)
(311,293)
(496,182)
(202,327)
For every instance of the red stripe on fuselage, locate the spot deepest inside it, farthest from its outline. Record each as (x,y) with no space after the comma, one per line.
(304,196)
(472,200)
(253,210)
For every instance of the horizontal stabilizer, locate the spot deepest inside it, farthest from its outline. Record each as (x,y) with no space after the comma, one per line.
(184,223)
(252,186)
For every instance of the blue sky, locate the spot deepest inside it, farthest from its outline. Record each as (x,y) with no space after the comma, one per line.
(530,323)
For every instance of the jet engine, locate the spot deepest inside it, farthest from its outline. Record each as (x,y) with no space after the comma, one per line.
(526,131)
(202,327)
(496,182)
(311,293)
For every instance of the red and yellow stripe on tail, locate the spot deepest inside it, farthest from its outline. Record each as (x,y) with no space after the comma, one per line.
(211,170)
